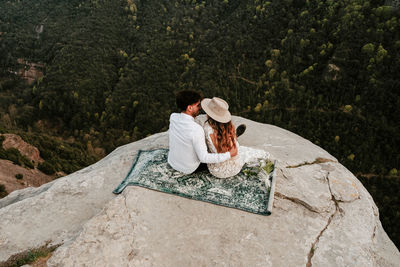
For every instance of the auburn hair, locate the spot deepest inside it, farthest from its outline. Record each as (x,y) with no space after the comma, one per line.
(224,133)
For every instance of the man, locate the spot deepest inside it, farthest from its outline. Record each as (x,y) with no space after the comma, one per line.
(187,144)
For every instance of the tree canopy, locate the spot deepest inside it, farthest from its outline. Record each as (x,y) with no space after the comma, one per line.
(326,70)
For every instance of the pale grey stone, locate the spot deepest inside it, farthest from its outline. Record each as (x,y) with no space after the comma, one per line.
(58,213)
(156,229)
(322,216)
(28,192)
(343,184)
(306,185)
(351,235)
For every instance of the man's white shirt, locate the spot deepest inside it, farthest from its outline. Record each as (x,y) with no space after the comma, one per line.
(187,145)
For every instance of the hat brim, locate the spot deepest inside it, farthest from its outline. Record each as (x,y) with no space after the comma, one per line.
(224,118)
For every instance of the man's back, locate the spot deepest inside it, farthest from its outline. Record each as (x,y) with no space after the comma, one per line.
(182,130)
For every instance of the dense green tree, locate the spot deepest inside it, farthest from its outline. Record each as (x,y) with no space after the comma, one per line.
(327,70)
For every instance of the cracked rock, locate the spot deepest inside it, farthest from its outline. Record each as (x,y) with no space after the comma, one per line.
(308,185)
(352,230)
(143,227)
(158,229)
(343,184)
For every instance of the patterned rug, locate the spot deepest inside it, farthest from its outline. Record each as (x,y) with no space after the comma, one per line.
(250,190)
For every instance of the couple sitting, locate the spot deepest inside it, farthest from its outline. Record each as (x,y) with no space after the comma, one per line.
(194,148)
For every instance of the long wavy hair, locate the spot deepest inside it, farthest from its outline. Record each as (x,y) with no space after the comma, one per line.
(224,133)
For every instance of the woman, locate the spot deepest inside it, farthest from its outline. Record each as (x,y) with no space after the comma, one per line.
(220,137)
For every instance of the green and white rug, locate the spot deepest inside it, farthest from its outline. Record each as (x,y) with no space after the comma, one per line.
(251,190)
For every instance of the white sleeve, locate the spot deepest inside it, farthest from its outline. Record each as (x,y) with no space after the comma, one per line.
(199,144)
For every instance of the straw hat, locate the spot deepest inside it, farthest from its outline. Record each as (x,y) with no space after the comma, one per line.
(217,109)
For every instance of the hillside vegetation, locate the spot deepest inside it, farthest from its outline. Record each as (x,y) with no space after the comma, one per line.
(326,70)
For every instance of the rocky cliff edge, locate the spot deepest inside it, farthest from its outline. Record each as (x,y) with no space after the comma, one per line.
(322,216)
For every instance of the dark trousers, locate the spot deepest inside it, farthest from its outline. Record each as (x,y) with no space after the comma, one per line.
(202,167)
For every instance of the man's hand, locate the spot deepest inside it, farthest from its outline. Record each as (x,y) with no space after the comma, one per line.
(233,151)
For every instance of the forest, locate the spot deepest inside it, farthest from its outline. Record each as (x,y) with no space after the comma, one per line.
(327,70)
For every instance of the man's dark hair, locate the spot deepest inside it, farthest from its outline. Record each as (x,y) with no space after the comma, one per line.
(186,98)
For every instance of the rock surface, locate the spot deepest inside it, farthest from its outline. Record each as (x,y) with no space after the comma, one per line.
(322,216)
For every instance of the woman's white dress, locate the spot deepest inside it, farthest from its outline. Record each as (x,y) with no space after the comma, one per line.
(232,166)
